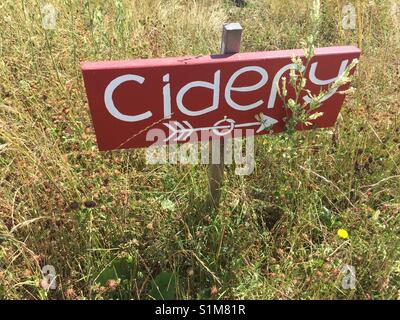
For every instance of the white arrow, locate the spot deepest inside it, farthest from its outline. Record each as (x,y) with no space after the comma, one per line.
(265,121)
(182,133)
(179,130)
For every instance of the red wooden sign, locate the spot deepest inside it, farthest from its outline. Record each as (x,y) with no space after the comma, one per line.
(183,97)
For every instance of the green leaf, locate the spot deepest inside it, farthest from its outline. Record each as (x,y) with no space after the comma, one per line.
(315,115)
(163,287)
(119,269)
(204,294)
(167,204)
(327,218)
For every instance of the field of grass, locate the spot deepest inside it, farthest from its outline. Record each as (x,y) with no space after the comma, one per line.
(93,215)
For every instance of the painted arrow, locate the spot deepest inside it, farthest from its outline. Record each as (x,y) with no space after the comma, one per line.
(265,122)
(183,130)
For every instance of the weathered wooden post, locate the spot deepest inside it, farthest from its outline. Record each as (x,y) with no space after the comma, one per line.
(230,43)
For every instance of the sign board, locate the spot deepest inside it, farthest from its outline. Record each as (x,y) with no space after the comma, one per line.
(190,96)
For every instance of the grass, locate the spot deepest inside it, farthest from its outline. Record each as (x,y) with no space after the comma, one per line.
(65,204)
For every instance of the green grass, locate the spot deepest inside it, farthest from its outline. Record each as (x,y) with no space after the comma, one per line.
(275,236)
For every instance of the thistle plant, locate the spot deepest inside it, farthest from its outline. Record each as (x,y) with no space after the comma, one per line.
(298,110)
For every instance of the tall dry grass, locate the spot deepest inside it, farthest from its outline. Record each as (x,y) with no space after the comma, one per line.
(63,203)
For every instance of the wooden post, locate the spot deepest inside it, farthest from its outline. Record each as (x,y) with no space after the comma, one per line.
(230,43)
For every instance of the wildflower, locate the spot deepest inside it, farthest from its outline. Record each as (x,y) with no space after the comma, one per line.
(149,226)
(214,290)
(342,233)
(70,293)
(112,284)
(44,283)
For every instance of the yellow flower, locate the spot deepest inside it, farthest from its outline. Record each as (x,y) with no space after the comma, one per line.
(342,233)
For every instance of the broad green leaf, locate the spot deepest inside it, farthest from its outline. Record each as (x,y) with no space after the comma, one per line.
(163,287)
(119,269)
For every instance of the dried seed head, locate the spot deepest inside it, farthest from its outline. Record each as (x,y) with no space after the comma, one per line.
(27,273)
(74,205)
(90,204)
